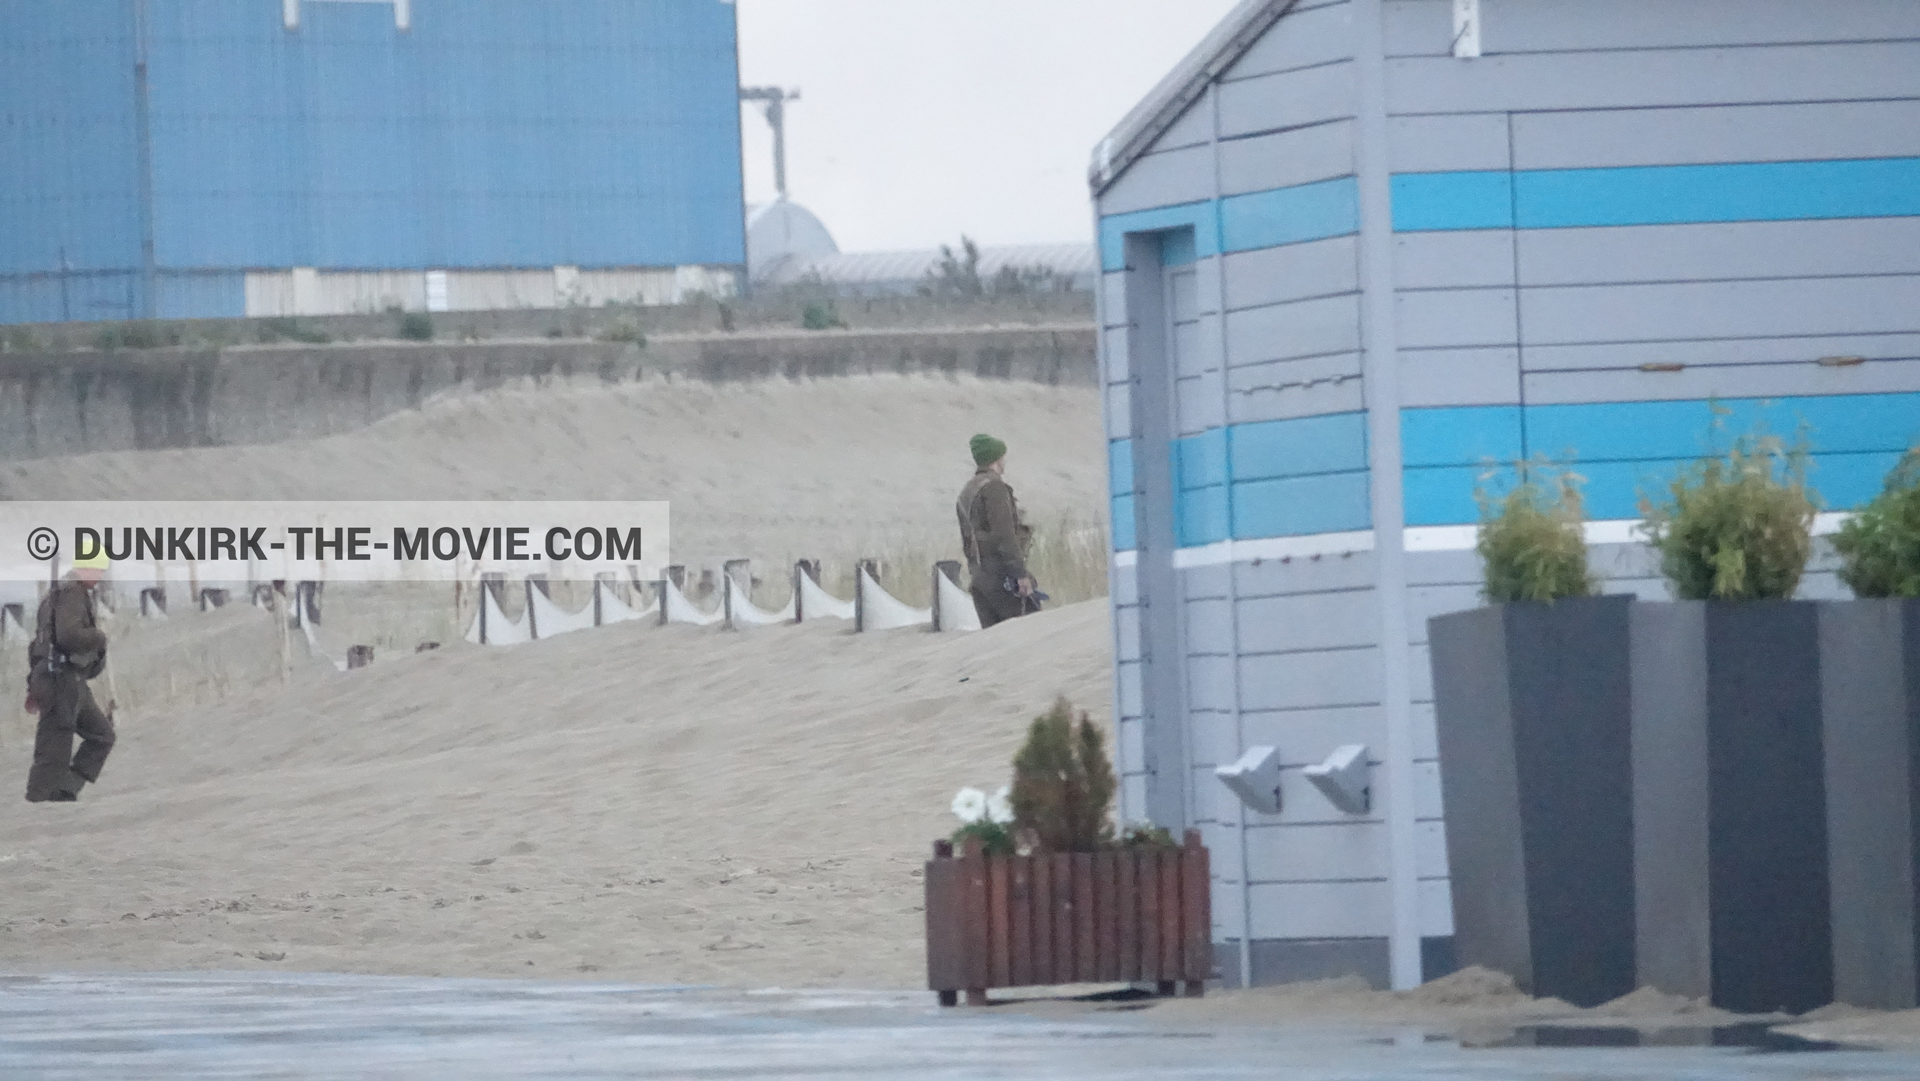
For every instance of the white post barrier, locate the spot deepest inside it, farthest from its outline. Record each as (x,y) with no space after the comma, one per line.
(877,610)
(953,608)
(742,612)
(813,602)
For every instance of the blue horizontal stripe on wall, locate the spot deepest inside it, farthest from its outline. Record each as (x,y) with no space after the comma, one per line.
(1200,460)
(1200,515)
(1301,506)
(1330,443)
(1656,195)
(1269,219)
(1627,449)
(1199,217)
(1605,431)
(1119,466)
(1290,478)
(1260,219)
(1123,523)
(1461,435)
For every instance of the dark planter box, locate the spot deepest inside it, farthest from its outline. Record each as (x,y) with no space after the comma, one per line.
(1870,656)
(1535,750)
(1769,796)
(1730,804)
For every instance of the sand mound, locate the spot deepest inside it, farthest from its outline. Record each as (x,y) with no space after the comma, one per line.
(664,804)
(1861,1028)
(769,470)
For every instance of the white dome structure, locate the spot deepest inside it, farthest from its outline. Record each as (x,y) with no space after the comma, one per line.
(782,234)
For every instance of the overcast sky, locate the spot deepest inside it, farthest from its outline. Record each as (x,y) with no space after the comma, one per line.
(920,120)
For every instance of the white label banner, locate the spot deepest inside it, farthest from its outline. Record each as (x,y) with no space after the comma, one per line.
(350,541)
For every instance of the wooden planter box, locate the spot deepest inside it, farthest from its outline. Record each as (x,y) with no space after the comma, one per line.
(1083,917)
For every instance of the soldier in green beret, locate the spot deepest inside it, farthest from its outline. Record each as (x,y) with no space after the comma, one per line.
(994,538)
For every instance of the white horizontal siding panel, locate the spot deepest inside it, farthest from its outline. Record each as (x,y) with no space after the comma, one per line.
(1299,329)
(1451,318)
(1348,677)
(1742,381)
(1800,131)
(1306,736)
(1773,350)
(1454,259)
(1285,159)
(1310,621)
(1741,309)
(1295,272)
(1166,178)
(1715,251)
(1437,377)
(1655,78)
(1338,850)
(1287,100)
(1304,37)
(1448,143)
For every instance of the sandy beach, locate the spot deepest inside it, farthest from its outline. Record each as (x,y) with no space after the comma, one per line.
(660,804)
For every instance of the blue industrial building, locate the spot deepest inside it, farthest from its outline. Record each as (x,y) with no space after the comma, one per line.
(187,158)
(1361,255)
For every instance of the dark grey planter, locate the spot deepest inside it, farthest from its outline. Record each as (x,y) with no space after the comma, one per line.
(1730,804)
(1533,704)
(1870,657)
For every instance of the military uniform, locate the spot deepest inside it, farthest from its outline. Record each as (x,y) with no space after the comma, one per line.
(995,541)
(68,649)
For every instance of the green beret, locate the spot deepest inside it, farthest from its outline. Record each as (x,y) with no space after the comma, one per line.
(986,449)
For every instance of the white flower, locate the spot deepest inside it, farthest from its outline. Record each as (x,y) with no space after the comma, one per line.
(969,805)
(1000,805)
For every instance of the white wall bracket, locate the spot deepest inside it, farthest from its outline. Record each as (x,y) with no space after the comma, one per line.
(1255,778)
(1345,779)
(1466,29)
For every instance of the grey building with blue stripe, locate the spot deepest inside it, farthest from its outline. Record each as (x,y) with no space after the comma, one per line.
(1359,257)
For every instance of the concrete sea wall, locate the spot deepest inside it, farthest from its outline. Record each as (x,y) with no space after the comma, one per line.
(60,403)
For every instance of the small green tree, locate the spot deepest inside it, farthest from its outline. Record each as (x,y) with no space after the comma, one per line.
(1880,545)
(416,326)
(1063,783)
(1736,526)
(1531,544)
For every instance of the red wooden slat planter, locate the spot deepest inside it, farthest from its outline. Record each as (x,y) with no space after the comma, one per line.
(1025,921)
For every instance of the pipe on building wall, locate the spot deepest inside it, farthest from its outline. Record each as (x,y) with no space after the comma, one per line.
(1380,370)
(143,136)
(1233,583)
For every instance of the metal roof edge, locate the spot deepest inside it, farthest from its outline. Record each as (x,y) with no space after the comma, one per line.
(1147,121)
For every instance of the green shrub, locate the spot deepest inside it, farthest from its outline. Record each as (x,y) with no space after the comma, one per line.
(1737,526)
(1063,783)
(995,838)
(1531,544)
(288,328)
(821,315)
(1880,545)
(623,330)
(416,327)
(136,334)
(1142,836)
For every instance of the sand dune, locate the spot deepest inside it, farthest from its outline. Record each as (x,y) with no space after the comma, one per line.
(673,804)
(770,470)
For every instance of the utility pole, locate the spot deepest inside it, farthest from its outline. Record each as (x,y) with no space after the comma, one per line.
(773,105)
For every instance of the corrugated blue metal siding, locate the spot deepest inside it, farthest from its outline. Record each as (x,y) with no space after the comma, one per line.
(68,180)
(493,133)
